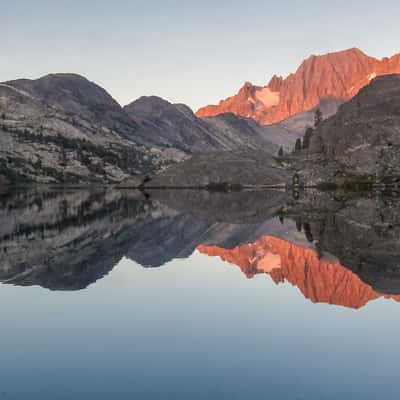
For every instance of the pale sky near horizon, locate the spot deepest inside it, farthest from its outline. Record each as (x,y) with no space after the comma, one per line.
(192,52)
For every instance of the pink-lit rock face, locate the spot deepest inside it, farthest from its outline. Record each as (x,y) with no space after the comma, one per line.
(336,75)
(319,280)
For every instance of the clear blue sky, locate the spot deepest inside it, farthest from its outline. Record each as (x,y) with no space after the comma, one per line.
(194,52)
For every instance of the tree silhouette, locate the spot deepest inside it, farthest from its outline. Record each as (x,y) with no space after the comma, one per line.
(297,146)
(280,152)
(317,117)
(307,231)
(307,138)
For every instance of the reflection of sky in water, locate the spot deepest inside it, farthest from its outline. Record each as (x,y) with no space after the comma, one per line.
(195,328)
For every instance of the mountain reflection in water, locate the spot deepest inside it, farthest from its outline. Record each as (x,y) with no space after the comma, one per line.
(336,248)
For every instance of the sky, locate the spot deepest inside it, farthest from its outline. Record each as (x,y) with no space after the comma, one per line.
(192,52)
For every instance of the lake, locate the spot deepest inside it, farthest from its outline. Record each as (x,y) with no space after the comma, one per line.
(197,295)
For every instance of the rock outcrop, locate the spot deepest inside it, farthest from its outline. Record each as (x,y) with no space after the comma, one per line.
(364,136)
(337,76)
(223,171)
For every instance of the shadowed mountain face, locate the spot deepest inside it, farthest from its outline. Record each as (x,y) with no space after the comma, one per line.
(363,137)
(175,126)
(337,75)
(286,132)
(336,249)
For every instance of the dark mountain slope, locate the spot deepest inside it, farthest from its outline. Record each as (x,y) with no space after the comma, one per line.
(175,125)
(363,138)
(74,95)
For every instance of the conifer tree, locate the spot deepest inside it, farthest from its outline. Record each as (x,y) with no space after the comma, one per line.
(297,146)
(307,137)
(317,118)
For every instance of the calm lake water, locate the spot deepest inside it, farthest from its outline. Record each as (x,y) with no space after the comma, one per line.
(192,295)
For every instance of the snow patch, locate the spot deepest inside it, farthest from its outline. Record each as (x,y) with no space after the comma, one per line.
(269,262)
(267,97)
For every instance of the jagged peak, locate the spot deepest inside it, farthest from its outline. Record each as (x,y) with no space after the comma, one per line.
(337,75)
(334,56)
(246,87)
(275,83)
(346,52)
(247,84)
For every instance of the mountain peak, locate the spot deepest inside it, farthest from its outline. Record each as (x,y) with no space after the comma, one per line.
(275,83)
(67,76)
(336,75)
(353,51)
(247,85)
(67,90)
(149,106)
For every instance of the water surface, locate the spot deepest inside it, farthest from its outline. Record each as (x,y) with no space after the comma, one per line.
(110,294)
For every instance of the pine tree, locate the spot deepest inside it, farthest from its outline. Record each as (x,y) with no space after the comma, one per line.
(280,152)
(307,138)
(307,231)
(317,117)
(297,146)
